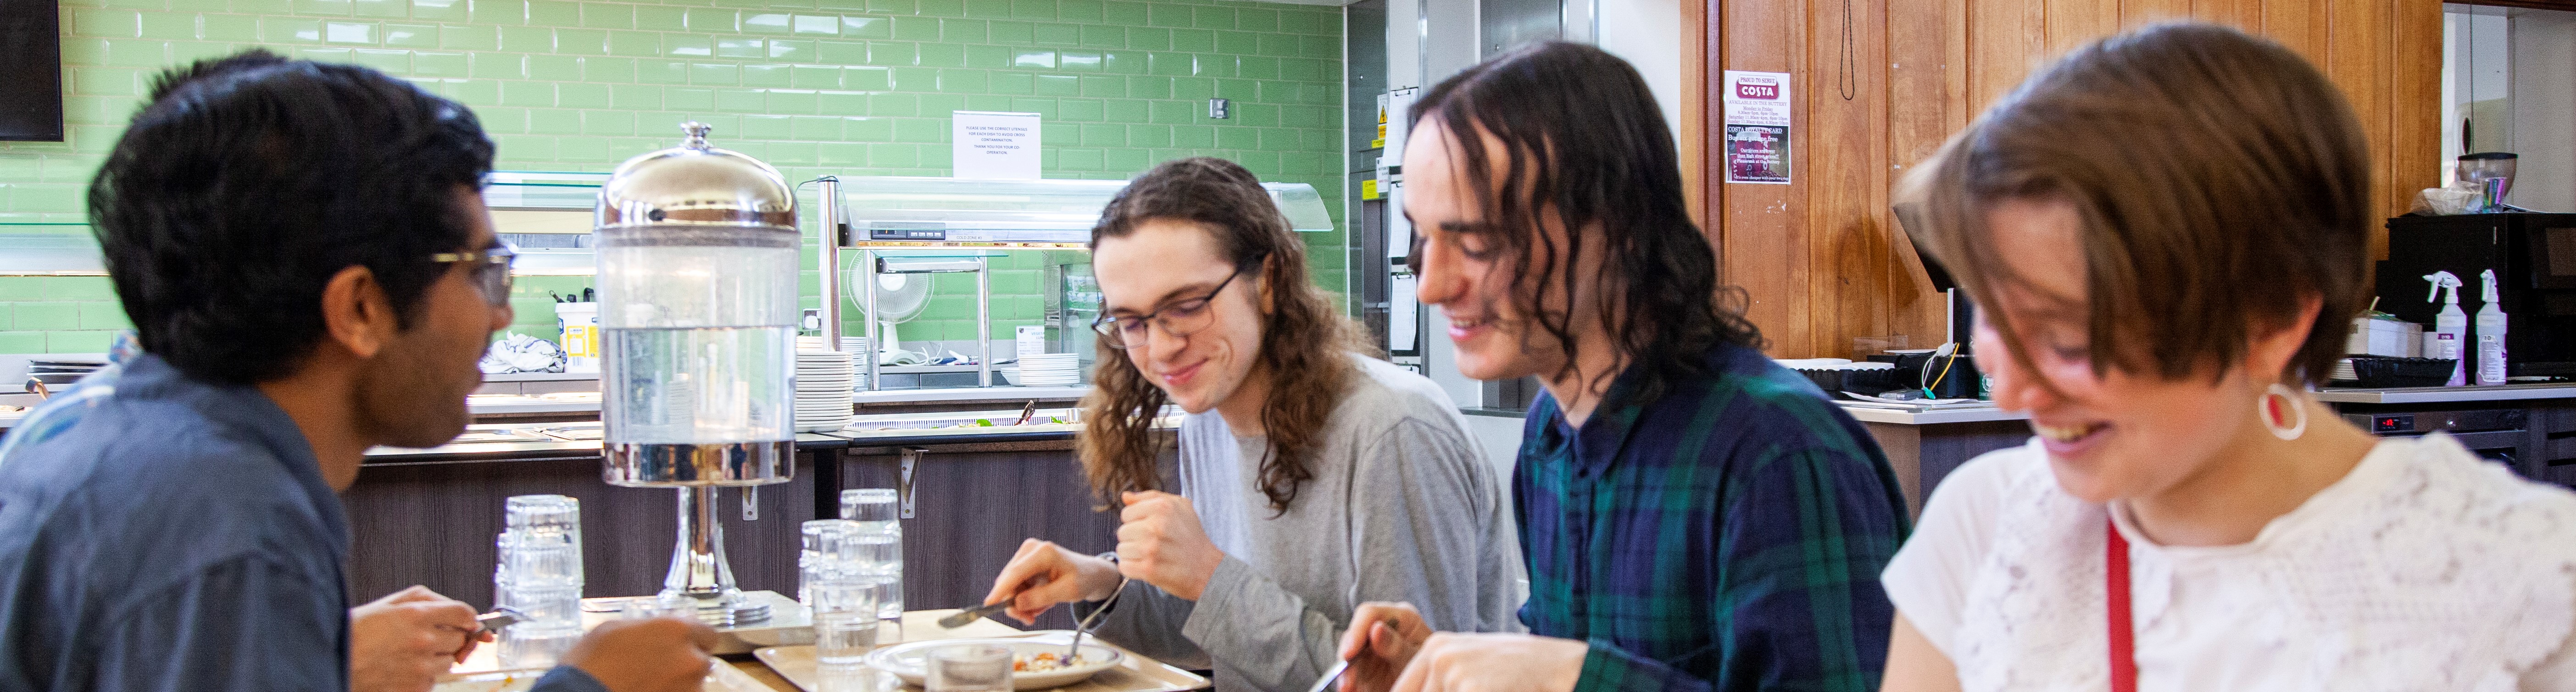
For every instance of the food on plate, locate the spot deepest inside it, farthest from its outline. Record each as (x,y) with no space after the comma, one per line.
(1045,662)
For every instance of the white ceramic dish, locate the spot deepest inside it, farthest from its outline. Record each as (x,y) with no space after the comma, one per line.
(906,661)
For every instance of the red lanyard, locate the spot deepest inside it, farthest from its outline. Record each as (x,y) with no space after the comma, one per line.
(2124,659)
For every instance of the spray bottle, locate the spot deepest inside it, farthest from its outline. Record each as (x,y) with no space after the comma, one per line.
(2491,331)
(2450,327)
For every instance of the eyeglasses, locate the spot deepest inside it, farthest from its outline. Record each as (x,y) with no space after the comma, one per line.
(491,269)
(1177,319)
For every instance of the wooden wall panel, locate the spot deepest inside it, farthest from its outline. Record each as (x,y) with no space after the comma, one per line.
(1822,260)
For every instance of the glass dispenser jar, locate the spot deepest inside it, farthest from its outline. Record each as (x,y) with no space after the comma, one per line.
(697,251)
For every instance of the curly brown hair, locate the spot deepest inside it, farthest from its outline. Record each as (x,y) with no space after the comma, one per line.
(1305,343)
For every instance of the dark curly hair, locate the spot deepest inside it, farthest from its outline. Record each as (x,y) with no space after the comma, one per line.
(250,180)
(1305,343)
(1583,140)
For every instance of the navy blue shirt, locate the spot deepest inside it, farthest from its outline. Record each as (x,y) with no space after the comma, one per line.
(1726,536)
(162,533)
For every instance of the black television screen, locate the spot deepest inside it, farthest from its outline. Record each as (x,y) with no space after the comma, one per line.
(31,96)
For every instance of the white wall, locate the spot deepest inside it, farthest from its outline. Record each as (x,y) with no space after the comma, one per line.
(2544,110)
(1648,34)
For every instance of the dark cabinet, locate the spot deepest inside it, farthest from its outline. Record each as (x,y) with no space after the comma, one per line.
(972,507)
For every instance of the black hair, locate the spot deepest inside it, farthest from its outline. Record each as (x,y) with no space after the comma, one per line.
(1582,139)
(250,180)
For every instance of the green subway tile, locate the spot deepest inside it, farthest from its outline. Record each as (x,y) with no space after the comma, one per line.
(336,8)
(1082,11)
(1256,19)
(1147,38)
(894,155)
(891,53)
(1301,21)
(916,28)
(1307,69)
(792,50)
(1058,34)
(1033,10)
(1079,110)
(988,9)
(579,149)
(1193,136)
(866,78)
(1125,111)
(1078,60)
(503,119)
(106,23)
(1193,40)
(1318,94)
(768,23)
(1044,107)
(169,26)
(840,102)
(940,55)
(499,66)
(554,68)
(1126,161)
(1321,140)
(390,9)
(1078,159)
(636,44)
(1171,64)
(475,92)
(662,72)
(712,20)
(529,94)
(1149,87)
(1189,88)
(940,8)
(964,31)
(439,10)
(842,52)
(138,52)
(344,32)
(916,79)
(766,126)
(1149,136)
(940,105)
(742,100)
(1033,59)
(608,70)
(815,77)
(921,130)
(603,15)
(1095,86)
(741,48)
(577,94)
(1261,163)
(1124,13)
(1013,33)
(77,288)
(866,27)
(549,121)
(1052,131)
(777,76)
(395,62)
(793,101)
(527,39)
(498,12)
(661,18)
(1207,17)
(1275,45)
(817,24)
(816,127)
(894,105)
(865,129)
(1320,47)
(1256,67)
(228,27)
(20,288)
(687,99)
(453,37)
(1243,90)
(1278,139)
(581,42)
(1014,83)
(1058,85)
(411,35)
(1304,116)
(1103,36)
(1104,135)
(841,154)
(1128,62)
(78,342)
(688,45)
(289,30)
(635,97)
(46,316)
(103,316)
(1169,15)
(988,102)
(554,13)
(957,81)
(1256,115)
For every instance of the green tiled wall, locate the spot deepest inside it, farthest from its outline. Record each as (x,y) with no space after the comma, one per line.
(846,87)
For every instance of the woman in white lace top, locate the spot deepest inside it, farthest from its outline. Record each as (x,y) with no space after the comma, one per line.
(2170,233)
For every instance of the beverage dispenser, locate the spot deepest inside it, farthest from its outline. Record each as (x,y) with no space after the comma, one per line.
(697,251)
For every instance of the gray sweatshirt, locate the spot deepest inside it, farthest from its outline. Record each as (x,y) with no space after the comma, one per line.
(1402,508)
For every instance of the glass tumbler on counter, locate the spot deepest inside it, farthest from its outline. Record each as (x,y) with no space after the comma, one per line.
(539,574)
(968,668)
(880,549)
(845,621)
(824,555)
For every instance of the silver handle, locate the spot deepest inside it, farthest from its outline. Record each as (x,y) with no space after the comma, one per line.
(904,490)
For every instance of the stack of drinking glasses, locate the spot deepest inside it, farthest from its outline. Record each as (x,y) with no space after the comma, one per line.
(539,575)
(880,549)
(844,605)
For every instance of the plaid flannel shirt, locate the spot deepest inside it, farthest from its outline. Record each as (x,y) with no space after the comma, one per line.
(1725,536)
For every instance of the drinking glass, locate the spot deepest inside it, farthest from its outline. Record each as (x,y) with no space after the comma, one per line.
(853,677)
(880,553)
(538,572)
(824,555)
(845,621)
(968,668)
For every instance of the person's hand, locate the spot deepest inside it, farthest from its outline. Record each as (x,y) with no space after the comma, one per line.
(402,642)
(1452,662)
(1161,543)
(651,655)
(1043,574)
(1383,638)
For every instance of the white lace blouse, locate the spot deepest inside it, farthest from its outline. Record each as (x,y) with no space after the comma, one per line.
(2425,568)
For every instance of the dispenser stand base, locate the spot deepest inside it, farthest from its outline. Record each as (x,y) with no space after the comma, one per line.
(785,623)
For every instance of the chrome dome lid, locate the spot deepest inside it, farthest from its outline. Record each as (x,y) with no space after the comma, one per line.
(696,185)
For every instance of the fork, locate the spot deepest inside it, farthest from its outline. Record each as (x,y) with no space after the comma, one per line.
(1084,627)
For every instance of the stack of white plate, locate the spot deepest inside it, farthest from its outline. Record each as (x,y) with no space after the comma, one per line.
(1050,370)
(823,382)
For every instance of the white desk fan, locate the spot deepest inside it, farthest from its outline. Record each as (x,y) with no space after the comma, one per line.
(900,298)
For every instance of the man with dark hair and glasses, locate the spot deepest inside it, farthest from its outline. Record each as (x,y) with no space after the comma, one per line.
(305,254)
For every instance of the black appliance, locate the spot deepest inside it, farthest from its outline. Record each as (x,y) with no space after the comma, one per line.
(2534,257)
(31,99)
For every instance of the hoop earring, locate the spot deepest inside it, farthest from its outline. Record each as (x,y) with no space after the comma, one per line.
(2269,412)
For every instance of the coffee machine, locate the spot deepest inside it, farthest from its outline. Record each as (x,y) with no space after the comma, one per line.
(2534,257)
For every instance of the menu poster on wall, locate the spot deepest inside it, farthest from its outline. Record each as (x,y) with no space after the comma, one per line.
(996,146)
(1757,127)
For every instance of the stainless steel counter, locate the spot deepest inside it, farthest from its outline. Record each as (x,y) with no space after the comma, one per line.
(2437,395)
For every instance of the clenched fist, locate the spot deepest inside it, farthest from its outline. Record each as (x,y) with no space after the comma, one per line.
(1161,543)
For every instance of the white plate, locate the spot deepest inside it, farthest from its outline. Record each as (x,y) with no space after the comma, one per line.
(906,660)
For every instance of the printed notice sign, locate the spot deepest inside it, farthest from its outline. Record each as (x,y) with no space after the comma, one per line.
(996,146)
(1757,127)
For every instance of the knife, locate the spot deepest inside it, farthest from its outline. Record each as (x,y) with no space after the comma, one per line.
(968,616)
(1330,675)
(500,617)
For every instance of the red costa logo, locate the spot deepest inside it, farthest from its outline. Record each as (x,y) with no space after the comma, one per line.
(1751,90)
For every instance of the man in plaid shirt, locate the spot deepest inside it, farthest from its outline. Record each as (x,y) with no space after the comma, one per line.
(1694,516)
